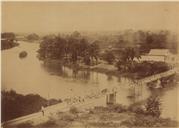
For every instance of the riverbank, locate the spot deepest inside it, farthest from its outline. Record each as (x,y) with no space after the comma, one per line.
(8,44)
(25,104)
(110,116)
(141,69)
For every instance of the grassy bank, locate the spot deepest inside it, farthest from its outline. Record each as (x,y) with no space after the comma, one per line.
(16,105)
(102,117)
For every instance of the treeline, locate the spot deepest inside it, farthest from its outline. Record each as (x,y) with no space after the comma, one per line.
(14,105)
(125,55)
(32,37)
(8,40)
(146,40)
(71,48)
(127,60)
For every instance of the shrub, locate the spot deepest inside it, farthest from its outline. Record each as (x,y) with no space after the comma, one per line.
(73,110)
(67,117)
(25,104)
(136,108)
(22,54)
(25,125)
(153,106)
(62,123)
(117,108)
(109,57)
(32,37)
(111,108)
(148,121)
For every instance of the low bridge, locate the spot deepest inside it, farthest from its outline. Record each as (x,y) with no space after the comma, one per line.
(158,76)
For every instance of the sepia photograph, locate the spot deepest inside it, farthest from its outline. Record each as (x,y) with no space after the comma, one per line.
(89,64)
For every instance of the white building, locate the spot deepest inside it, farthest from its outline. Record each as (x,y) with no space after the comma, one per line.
(163,55)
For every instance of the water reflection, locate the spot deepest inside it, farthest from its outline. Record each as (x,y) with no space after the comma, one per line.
(32,76)
(127,94)
(74,74)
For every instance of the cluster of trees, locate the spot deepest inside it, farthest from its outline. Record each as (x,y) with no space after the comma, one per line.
(77,49)
(72,48)
(147,40)
(14,105)
(160,40)
(8,35)
(32,37)
(8,40)
(126,59)
(109,57)
(146,68)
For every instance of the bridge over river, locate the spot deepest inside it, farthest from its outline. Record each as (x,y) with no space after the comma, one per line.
(98,100)
(158,76)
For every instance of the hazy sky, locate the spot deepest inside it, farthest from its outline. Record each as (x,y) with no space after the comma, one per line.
(89,16)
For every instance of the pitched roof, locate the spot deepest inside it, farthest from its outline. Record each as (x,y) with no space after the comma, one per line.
(159,52)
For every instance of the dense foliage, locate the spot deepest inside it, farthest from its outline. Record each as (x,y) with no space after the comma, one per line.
(22,54)
(149,121)
(146,40)
(8,35)
(16,105)
(71,48)
(125,54)
(8,40)
(127,63)
(33,37)
(126,59)
(153,107)
(109,57)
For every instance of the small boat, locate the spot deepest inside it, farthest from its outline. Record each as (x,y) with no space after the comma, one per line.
(22,54)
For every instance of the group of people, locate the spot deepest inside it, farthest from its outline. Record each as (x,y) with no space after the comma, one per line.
(80,99)
(74,100)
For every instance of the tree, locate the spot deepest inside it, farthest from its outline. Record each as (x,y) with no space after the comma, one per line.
(15,105)
(121,65)
(83,49)
(126,59)
(8,40)
(109,57)
(53,47)
(73,47)
(86,59)
(153,106)
(94,51)
(59,47)
(8,35)
(46,47)
(76,34)
(32,37)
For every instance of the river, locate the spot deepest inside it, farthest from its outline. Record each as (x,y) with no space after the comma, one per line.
(28,75)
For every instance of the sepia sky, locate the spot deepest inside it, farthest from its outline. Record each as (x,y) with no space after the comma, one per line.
(88,16)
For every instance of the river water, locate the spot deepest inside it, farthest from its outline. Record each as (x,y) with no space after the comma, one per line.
(28,75)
